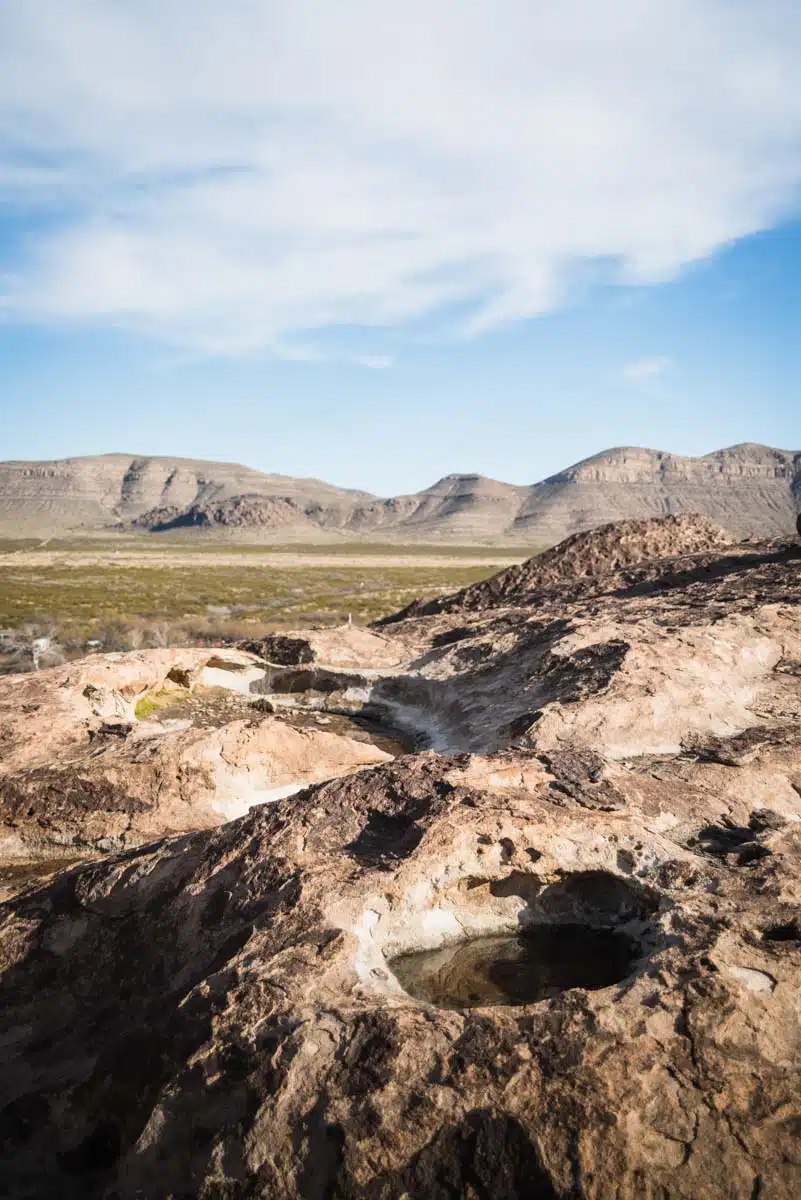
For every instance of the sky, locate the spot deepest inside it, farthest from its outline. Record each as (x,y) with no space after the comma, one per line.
(378,242)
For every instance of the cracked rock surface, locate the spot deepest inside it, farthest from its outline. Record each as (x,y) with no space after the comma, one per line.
(223,1013)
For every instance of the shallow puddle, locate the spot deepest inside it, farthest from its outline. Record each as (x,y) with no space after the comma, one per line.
(523,969)
(361,729)
(211,707)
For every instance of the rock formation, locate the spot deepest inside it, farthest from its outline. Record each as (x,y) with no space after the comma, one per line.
(594,553)
(556,955)
(97,492)
(245,513)
(80,773)
(751,490)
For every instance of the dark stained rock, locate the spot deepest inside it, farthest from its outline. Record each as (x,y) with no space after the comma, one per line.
(282,650)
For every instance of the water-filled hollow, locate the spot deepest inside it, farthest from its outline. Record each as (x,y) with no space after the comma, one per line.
(519,969)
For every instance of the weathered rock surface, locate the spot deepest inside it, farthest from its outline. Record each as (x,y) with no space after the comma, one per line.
(596,552)
(221,1013)
(633,660)
(79,772)
(46,715)
(345,646)
(218,1015)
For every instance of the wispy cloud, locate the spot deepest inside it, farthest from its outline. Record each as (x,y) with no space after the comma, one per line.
(375,362)
(232,178)
(645,370)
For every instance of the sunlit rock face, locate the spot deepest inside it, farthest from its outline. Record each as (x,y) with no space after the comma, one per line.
(105,754)
(248,982)
(556,956)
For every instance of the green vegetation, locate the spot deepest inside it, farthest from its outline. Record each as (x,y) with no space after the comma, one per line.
(154,702)
(145,708)
(145,600)
(200,543)
(97,593)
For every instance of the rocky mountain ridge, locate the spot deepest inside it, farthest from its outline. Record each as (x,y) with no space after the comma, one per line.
(752,490)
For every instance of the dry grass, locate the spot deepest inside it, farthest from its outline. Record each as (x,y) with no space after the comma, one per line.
(179,600)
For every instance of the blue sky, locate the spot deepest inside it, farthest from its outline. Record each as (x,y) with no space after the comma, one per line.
(399,241)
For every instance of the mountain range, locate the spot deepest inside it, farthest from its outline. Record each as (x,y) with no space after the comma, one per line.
(752,490)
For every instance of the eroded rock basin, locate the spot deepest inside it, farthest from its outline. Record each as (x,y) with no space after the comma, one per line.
(533,966)
(213,707)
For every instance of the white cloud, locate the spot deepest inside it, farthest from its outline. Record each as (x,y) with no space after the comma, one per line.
(646,369)
(376,362)
(231,178)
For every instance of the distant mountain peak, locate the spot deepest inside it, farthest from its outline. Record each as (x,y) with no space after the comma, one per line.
(749,488)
